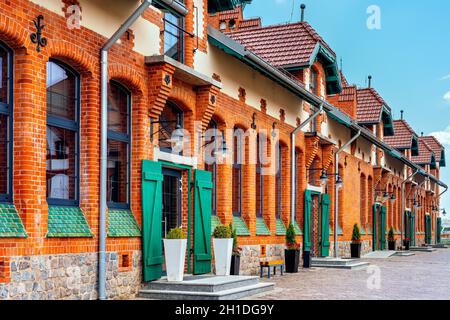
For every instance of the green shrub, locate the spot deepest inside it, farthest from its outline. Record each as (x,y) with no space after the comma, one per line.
(391,236)
(291,242)
(176,233)
(356,235)
(222,232)
(236,249)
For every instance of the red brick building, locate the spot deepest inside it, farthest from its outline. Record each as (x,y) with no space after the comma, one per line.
(174,81)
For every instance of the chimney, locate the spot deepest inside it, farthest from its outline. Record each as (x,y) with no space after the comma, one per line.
(401,114)
(370,81)
(421,134)
(302,7)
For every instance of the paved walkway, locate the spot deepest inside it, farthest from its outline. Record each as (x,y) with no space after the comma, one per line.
(423,276)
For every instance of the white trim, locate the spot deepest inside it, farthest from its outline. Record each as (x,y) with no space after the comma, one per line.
(408,209)
(314,188)
(174,158)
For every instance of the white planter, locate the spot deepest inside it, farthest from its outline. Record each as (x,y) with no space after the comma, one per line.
(175,254)
(223,248)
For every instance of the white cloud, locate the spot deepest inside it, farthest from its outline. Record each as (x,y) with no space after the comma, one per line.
(443,136)
(447,77)
(447,97)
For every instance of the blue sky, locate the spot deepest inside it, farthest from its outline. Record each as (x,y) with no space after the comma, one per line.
(408,57)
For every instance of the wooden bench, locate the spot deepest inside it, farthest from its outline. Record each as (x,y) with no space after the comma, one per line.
(271,265)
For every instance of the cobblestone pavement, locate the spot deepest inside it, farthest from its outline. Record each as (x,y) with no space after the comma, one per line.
(423,276)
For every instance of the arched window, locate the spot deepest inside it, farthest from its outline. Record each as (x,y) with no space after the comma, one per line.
(238,157)
(119,130)
(313,81)
(260,150)
(170,120)
(211,138)
(278,181)
(63,114)
(6,114)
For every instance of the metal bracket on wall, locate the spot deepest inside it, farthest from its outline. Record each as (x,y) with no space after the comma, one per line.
(37,37)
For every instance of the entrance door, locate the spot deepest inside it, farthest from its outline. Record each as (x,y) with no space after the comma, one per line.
(171,203)
(316,228)
(379,227)
(428,229)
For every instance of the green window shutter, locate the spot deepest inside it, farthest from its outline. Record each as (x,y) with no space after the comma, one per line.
(202,222)
(438,230)
(325,225)
(383,228)
(406,226)
(307,221)
(152,179)
(374,225)
(412,228)
(428,229)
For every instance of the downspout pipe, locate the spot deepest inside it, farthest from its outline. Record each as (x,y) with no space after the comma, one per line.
(404,202)
(293,167)
(336,193)
(104,144)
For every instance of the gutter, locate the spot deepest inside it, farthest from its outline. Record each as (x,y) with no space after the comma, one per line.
(404,202)
(336,192)
(293,166)
(104,144)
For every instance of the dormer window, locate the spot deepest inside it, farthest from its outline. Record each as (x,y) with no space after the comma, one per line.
(232,24)
(223,25)
(313,81)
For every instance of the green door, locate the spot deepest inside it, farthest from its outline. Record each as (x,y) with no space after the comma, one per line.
(427,229)
(412,228)
(307,221)
(383,228)
(407,227)
(152,179)
(375,225)
(202,222)
(438,230)
(325,204)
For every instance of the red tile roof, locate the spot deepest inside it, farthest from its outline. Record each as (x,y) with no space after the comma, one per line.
(250,24)
(403,135)
(425,153)
(343,79)
(435,145)
(370,105)
(281,45)
(230,14)
(348,94)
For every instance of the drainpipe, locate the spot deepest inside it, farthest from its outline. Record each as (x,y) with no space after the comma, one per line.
(404,202)
(104,144)
(336,193)
(293,169)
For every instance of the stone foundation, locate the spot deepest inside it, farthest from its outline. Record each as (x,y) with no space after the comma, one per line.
(251,256)
(70,276)
(345,251)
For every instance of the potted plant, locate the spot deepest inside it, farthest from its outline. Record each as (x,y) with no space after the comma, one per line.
(391,239)
(292,252)
(175,252)
(355,246)
(223,249)
(236,254)
(406,243)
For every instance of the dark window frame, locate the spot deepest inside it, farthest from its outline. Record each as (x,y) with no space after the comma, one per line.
(238,144)
(279,183)
(213,169)
(123,138)
(259,169)
(7,109)
(71,125)
(180,36)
